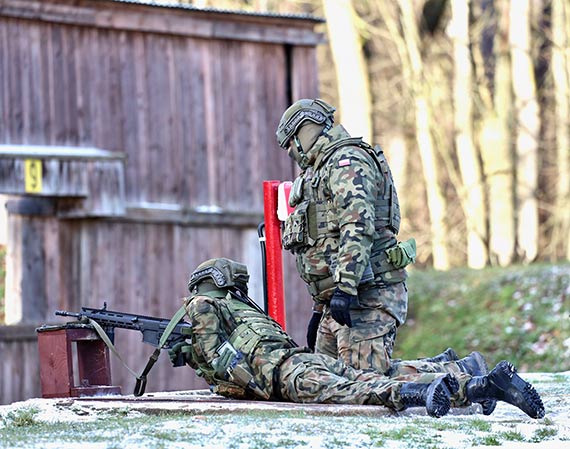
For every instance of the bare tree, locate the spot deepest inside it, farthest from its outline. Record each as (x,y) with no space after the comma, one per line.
(527,129)
(385,48)
(350,65)
(494,136)
(561,76)
(436,201)
(472,194)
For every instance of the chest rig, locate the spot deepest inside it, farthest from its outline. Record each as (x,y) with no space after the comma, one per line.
(244,330)
(314,216)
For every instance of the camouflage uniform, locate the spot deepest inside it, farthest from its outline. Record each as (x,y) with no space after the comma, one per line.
(243,353)
(348,186)
(279,369)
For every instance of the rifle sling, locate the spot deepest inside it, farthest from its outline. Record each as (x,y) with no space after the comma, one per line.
(141,380)
(109,344)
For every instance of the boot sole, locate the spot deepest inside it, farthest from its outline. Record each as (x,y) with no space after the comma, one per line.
(514,390)
(439,394)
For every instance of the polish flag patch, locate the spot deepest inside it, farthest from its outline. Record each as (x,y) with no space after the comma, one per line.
(344,162)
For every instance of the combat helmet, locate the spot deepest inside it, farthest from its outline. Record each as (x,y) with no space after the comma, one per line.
(316,111)
(222,272)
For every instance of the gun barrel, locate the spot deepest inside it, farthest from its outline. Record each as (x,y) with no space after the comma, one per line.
(66,313)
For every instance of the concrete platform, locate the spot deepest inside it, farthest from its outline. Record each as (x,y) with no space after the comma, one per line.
(204,402)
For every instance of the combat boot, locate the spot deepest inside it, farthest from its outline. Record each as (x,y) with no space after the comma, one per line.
(474,364)
(435,396)
(449,355)
(504,384)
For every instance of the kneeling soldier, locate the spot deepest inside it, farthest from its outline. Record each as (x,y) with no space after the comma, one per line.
(243,353)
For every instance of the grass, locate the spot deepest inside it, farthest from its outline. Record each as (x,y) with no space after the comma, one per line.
(21,418)
(517,313)
(258,430)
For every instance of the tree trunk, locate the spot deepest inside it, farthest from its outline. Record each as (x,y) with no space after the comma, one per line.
(351,70)
(561,77)
(435,197)
(527,129)
(473,199)
(495,146)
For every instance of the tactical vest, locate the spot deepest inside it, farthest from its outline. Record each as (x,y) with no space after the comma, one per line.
(246,330)
(313,218)
(387,207)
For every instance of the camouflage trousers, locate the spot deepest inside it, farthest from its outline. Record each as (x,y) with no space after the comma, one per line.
(318,378)
(369,343)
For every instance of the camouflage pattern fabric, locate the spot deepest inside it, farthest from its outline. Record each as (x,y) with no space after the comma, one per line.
(350,231)
(349,184)
(318,378)
(369,343)
(214,320)
(300,376)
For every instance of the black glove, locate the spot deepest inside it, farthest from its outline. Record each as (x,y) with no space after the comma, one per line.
(312,329)
(177,356)
(340,305)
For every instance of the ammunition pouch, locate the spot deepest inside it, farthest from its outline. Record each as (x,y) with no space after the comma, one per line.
(321,290)
(298,232)
(232,366)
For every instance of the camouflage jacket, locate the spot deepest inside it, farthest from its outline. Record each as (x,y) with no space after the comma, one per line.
(349,205)
(216,319)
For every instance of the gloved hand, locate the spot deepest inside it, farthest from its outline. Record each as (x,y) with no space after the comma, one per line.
(404,253)
(176,355)
(312,329)
(340,305)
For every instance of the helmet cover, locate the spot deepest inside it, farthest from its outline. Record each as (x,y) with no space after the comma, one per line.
(224,273)
(316,111)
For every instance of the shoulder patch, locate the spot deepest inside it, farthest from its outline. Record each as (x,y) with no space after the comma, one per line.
(344,162)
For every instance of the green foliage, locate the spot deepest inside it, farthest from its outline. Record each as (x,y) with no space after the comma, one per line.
(517,313)
(511,435)
(487,440)
(544,433)
(25,417)
(480,425)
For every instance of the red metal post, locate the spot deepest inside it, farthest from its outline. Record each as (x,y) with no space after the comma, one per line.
(273,257)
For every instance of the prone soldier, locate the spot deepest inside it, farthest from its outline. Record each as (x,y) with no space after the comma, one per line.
(243,353)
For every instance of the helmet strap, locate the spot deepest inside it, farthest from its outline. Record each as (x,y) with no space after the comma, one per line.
(297,144)
(297,153)
(207,286)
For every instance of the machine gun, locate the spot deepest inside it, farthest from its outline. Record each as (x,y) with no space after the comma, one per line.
(159,332)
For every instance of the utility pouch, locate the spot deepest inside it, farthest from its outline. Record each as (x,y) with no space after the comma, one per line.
(404,253)
(231,390)
(232,364)
(296,192)
(297,233)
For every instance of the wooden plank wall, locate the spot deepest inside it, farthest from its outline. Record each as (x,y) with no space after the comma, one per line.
(19,377)
(193,101)
(196,118)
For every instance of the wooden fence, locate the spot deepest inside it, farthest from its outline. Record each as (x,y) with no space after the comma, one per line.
(188,102)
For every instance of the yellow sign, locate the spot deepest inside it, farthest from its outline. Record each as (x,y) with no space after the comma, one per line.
(33,175)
